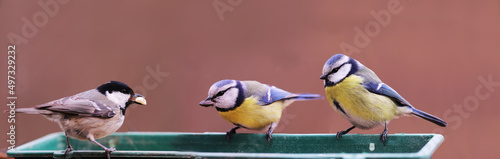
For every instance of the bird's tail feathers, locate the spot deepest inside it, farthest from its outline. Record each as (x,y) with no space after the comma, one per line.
(27,110)
(429,117)
(304,96)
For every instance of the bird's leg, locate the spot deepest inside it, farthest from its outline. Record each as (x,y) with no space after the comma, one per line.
(68,148)
(340,133)
(108,150)
(383,136)
(270,132)
(230,133)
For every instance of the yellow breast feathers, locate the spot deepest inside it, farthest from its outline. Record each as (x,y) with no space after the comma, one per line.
(253,116)
(358,102)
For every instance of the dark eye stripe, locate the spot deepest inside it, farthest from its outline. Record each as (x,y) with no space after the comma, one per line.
(222,92)
(335,70)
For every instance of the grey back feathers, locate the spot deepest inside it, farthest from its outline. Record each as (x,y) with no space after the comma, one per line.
(88,103)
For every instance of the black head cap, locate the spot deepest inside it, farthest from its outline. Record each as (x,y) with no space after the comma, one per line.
(115,86)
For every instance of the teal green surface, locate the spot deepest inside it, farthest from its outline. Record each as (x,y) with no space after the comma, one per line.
(214,145)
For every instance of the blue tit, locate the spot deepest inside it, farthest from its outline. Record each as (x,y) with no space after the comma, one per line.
(251,104)
(358,95)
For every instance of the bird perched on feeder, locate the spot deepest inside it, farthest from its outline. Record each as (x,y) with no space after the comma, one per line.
(358,95)
(92,114)
(251,104)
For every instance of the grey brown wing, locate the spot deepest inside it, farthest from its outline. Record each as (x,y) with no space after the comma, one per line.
(79,106)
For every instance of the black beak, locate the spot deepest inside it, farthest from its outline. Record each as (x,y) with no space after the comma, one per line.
(323,77)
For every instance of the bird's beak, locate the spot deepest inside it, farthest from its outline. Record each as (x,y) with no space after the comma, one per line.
(323,77)
(207,103)
(139,99)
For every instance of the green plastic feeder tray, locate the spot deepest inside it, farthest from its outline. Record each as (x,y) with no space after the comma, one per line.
(214,145)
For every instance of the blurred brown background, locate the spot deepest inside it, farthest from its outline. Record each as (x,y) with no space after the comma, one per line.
(433,53)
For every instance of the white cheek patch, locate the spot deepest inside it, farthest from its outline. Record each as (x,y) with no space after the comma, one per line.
(228,100)
(118,98)
(341,73)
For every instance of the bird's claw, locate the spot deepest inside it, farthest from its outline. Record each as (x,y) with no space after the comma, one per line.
(230,134)
(68,149)
(111,149)
(339,134)
(228,137)
(108,151)
(383,136)
(269,139)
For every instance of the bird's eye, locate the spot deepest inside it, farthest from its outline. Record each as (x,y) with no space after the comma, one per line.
(335,70)
(123,91)
(220,93)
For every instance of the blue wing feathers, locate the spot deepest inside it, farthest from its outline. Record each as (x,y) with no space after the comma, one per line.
(385,90)
(278,94)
